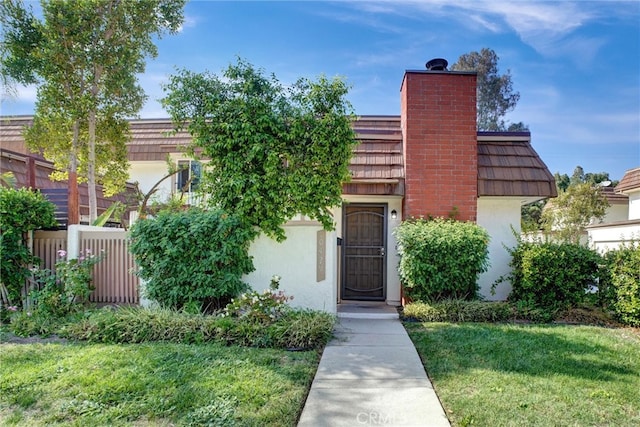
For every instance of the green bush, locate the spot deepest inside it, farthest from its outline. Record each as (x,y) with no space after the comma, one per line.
(194,256)
(458,311)
(21,211)
(552,276)
(623,283)
(441,258)
(295,329)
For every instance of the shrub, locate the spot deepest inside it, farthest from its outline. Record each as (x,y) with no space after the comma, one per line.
(458,311)
(441,258)
(552,276)
(192,256)
(623,283)
(20,211)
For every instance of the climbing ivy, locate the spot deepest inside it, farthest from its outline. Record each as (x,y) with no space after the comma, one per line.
(275,151)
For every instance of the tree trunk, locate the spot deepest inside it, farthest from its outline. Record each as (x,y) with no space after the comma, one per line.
(73,215)
(91,169)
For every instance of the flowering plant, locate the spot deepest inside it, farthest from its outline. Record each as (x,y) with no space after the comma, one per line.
(264,307)
(70,284)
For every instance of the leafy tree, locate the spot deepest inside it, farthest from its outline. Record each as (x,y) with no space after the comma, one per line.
(579,176)
(495,92)
(573,210)
(531,215)
(562,181)
(274,151)
(85,55)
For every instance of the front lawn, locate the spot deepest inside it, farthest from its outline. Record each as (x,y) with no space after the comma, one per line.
(532,375)
(152,384)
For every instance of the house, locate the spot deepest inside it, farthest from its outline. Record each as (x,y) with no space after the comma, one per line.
(428,161)
(616,229)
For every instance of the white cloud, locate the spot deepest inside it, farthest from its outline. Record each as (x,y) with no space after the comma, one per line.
(189,22)
(547,26)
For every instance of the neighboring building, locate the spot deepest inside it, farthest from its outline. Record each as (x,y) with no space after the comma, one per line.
(616,230)
(618,209)
(32,171)
(430,160)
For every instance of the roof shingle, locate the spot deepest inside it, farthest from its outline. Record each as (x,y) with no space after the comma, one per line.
(507,163)
(629,182)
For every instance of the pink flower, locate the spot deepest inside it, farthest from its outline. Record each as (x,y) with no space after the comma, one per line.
(62,253)
(87,251)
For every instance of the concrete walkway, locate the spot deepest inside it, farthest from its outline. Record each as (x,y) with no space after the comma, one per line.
(370,374)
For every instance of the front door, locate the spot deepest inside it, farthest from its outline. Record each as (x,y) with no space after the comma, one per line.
(364,252)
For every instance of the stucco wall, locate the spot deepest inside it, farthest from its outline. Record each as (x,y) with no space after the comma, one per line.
(617,212)
(295,261)
(634,205)
(610,236)
(498,215)
(147,174)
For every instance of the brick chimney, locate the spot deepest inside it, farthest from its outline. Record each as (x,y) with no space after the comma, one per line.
(439,135)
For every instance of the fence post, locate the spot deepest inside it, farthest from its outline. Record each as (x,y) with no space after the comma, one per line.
(73,241)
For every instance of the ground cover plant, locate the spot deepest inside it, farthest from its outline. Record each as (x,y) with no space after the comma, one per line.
(532,375)
(295,329)
(152,384)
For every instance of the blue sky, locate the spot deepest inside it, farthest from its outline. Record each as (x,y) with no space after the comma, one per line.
(576,64)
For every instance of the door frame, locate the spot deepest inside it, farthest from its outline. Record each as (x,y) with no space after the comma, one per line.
(343,252)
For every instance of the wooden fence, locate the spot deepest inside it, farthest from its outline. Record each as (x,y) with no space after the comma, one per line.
(113,278)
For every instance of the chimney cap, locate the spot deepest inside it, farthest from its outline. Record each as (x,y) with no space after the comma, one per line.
(437,64)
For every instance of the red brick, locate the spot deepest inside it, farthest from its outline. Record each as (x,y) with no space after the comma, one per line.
(439,141)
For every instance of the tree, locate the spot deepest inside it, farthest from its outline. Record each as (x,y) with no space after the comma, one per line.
(531,215)
(85,56)
(579,176)
(495,92)
(562,181)
(574,209)
(274,152)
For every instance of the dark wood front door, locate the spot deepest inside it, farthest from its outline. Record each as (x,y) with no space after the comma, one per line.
(364,252)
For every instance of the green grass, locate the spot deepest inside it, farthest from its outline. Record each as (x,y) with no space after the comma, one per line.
(152,384)
(532,375)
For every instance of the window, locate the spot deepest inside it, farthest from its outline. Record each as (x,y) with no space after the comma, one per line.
(189,175)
